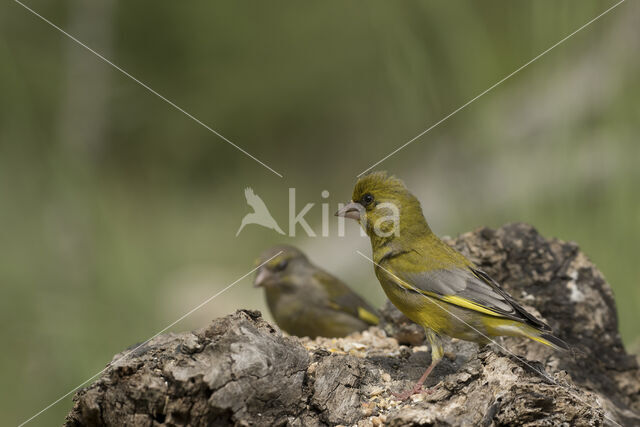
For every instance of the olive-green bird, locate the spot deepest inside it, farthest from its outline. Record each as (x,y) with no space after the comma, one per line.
(430,282)
(306,300)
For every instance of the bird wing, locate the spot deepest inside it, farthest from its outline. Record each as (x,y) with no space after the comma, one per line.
(254,200)
(470,288)
(342,298)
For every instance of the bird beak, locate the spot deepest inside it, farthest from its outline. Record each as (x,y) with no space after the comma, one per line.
(351,210)
(261,277)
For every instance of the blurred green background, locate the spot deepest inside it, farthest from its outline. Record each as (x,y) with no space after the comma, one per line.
(118,213)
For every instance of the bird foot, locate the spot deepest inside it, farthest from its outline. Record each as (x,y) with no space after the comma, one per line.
(417,389)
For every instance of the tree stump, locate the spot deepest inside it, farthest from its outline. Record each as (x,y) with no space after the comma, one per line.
(241,370)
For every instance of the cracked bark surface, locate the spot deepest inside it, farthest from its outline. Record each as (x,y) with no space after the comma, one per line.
(241,370)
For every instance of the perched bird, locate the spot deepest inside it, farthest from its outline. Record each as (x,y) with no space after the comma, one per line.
(430,282)
(260,214)
(306,300)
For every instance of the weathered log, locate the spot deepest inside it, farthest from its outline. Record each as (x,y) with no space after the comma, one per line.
(241,370)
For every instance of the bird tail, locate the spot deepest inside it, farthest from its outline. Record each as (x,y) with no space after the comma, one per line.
(548,339)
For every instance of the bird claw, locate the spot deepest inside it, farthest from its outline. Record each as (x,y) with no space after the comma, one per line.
(417,389)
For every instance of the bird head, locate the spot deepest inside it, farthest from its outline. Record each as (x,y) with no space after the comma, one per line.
(287,262)
(385,208)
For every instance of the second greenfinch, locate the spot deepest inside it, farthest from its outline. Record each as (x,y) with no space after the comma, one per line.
(305,300)
(430,282)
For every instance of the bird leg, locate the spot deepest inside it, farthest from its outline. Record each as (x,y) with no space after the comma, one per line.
(436,356)
(417,389)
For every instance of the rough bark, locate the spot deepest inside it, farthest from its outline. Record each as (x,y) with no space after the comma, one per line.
(241,370)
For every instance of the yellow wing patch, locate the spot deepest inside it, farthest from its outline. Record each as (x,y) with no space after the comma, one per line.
(367,316)
(451,299)
(463,302)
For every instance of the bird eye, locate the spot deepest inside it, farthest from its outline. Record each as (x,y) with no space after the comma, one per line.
(367,199)
(281,265)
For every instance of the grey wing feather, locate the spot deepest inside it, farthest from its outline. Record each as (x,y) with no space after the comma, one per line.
(351,302)
(476,286)
(528,317)
(342,296)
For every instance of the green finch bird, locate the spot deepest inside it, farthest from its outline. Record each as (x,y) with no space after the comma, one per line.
(430,282)
(306,300)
